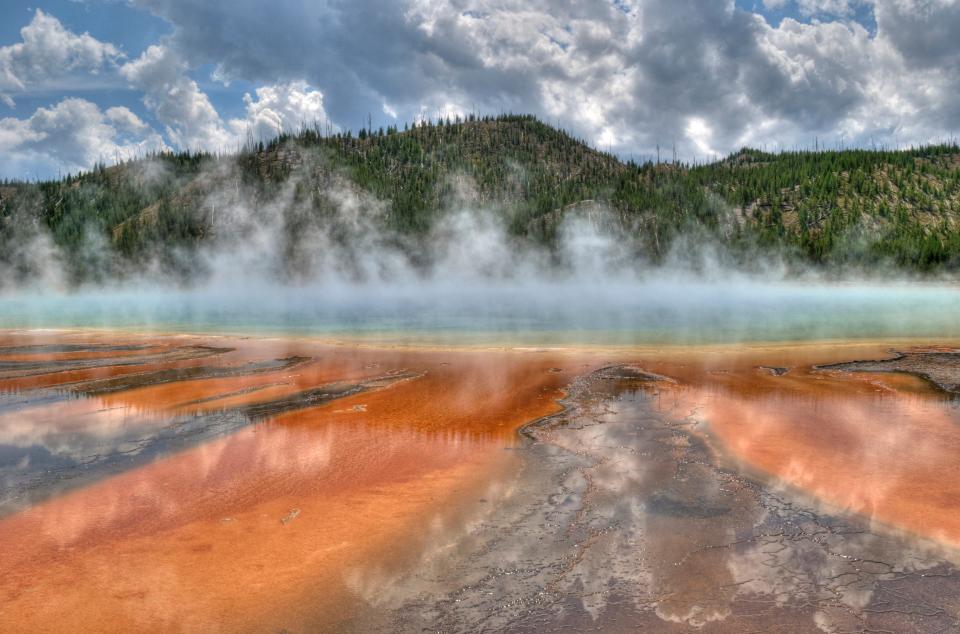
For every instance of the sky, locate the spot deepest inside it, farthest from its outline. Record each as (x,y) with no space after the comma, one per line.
(83,81)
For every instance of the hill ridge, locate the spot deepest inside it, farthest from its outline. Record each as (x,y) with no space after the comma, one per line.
(834,208)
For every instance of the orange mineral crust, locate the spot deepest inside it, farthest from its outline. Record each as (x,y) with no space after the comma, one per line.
(884,445)
(276,525)
(355,461)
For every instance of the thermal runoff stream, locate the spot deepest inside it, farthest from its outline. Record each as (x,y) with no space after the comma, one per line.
(666,456)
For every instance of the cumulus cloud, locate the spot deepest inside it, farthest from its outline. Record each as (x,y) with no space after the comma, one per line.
(827,7)
(924,32)
(282,107)
(190,120)
(624,75)
(703,75)
(49,51)
(125,121)
(73,134)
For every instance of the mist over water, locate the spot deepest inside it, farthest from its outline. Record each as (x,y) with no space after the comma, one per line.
(667,310)
(279,268)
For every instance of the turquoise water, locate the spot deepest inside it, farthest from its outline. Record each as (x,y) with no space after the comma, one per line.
(667,311)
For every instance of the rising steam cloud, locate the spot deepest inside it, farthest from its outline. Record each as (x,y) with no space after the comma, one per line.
(316,256)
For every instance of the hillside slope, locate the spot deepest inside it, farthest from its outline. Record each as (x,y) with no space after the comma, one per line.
(828,209)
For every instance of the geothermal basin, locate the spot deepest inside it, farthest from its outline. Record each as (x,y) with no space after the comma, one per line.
(186,482)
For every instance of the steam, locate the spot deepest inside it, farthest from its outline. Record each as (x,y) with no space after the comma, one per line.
(317,255)
(318,229)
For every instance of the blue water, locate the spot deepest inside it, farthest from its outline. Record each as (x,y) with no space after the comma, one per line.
(666,311)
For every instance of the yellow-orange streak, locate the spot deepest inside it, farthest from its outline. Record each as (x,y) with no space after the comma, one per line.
(197,541)
(879,444)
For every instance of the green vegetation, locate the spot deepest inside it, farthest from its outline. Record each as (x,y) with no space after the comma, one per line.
(852,208)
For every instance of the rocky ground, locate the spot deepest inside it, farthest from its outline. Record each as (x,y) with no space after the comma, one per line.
(941,368)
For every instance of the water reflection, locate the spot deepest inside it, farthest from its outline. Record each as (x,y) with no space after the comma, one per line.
(387,490)
(859,442)
(624,518)
(330,462)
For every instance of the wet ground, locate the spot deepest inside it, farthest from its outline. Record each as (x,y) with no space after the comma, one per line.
(623,520)
(940,368)
(224,484)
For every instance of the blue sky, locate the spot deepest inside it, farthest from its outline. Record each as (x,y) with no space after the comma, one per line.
(81,80)
(131,30)
(775,12)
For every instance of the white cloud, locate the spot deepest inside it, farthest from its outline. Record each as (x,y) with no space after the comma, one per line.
(702,136)
(73,135)
(281,107)
(891,88)
(702,73)
(826,7)
(190,120)
(125,121)
(47,52)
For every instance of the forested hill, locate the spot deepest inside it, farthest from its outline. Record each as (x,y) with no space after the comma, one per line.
(830,209)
